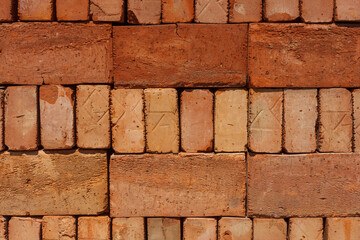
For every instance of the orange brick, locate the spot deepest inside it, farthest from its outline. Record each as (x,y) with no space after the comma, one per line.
(2,144)
(306,228)
(163,228)
(72,10)
(356,116)
(347,10)
(92,116)
(335,121)
(269,229)
(128,228)
(317,11)
(107,10)
(232,228)
(56,227)
(144,11)
(35,10)
(3,228)
(196,113)
(21,228)
(6,10)
(94,228)
(174,11)
(200,228)
(21,121)
(56,117)
(342,228)
(211,11)
(281,10)
(245,11)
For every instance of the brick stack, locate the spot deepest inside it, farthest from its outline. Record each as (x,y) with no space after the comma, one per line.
(161,120)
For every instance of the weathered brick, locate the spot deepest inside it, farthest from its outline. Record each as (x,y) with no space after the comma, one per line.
(2,144)
(56,227)
(54,53)
(347,10)
(296,55)
(144,11)
(163,228)
(56,117)
(356,116)
(72,10)
(266,117)
(21,228)
(166,185)
(21,121)
(232,228)
(92,116)
(35,10)
(306,185)
(107,10)
(128,228)
(211,11)
(3,228)
(162,120)
(300,116)
(39,183)
(6,10)
(182,55)
(316,11)
(174,11)
(306,228)
(269,229)
(196,113)
(94,228)
(342,228)
(281,10)
(245,11)
(335,121)
(231,109)
(200,228)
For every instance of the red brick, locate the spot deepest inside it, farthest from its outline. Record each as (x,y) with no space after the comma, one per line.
(53,53)
(197,128)
(183,55)
(174,11)
(56,117)
(347,10)
(2,144)
(296,55)
(232,228)
(211,11)
(72,10)
(166,185)
(307,185)
(128,228)
(342,228)
(144,11)
(245,11)
(21,228)
(56,227)
(6,10)
(3,228)
(356,117)
(281,10)
(269,229)
(92,116)
(306,228)
(35,10)
(200,228)
(63,182)
(163,228)
(107,10)
(21,121)
(316,11)
(94,228)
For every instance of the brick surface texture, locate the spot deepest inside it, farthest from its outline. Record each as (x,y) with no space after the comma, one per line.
(347,10)
(306,228)
(6,10)
(128,228)
(144,11)
(174,11)
(56,227)
(211,11)
(245,11)
(317,11)
(200,228)
(94,228)
(235,228)
(281,10)
(35,10)
(270,229)
(21,228)
(356,116)
(163,228)
(342,228)
(72,10)
(107,10)
(3,228)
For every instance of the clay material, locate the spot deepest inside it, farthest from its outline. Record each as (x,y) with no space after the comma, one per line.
(245,11)
(306,228)
(128,228)
(200,228)
(233,228)
(107,10)
(56,227)
(174,11)
(72,10)
(94,228)
(144,11)
(269,229)
(163,228)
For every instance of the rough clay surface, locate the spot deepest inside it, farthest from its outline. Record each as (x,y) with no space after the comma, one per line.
(107,10)
(174,11)
(128,228)
(306,228)
(35,10)
(269,229)
(23,228)
(245,11)
(144,11)
(342,228)
(211,11)
(72,10)
(233,228)
(94,228)
(281,10)
(200,228)
(58,227)
(5,10)
(317,11)
(163,228)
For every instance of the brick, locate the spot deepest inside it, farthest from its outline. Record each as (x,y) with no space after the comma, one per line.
(200,228)
(3,228)
(56,117)
(6,10)
(2,103)
(300,116)
(59,177)
(295,55)
(107,10)
(56,227)
(165,185)
(211,11)
(94,228)
(55,53)
(265,117)
(231,109)
(232,228)
(196,113)
(162,120)
(174,11)
(306,185)
(335,120)
(182,55)
(347,10)
(269,229)
(72,10)
(92,116)
(144,11)
(356,116)
(127,118)
(163,228)
(306,228)
(342,228)
(21,121)
(35,10)
(281,10)
(21,228)
(128,228)
(245,11)
(317,11)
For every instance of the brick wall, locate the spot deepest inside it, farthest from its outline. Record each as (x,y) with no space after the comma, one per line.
(180,119)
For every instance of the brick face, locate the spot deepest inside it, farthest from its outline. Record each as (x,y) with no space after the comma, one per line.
(128,228)
(316,11)
(163,228)
(342,228)
(56,227)
(72,10)
(200,228)
(144,11)
(21,228)
(35,10)
(235,228)
(3,228)
(2,119)
(107,10)
(269,229)
(6,10)
(94,228)
(306,228)
(174,11)
(347,10)
(356,116)
(281,10)
(211,11)
(245,11)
